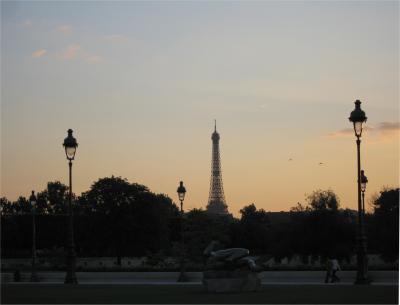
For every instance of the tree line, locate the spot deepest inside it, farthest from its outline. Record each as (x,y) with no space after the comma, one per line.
(118,218)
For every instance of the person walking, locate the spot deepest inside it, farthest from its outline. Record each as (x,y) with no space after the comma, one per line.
(335,268)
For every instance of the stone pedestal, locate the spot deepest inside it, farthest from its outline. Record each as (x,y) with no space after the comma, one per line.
(230,281)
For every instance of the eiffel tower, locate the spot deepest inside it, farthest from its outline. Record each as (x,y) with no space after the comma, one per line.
(216,200)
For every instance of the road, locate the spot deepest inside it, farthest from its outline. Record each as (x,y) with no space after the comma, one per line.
(158,278)
(41,293)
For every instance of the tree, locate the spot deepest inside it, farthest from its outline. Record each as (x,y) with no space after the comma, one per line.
(321,228)
(53,200)
(323,200)
(22,206)
(202,227)
(125,218)
(254,228)
(10,236)
(6,207)
(300,208)
(386,223)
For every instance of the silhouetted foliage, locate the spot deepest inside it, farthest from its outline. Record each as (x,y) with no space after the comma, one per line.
(254,229)
(201,228)
(118,218)
(6,207)
(54,199)
(386,223)
(318,229)
(22,206)
(320,200)
(127,216)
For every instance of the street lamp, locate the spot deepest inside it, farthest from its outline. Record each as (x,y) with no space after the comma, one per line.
(32,200)
(181,194)
(70,146)
(357,117)
(364,181)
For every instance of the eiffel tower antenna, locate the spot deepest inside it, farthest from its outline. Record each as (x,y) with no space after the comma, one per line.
(216,199)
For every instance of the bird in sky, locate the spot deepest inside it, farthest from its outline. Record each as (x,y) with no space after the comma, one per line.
(320,163)
(290,159)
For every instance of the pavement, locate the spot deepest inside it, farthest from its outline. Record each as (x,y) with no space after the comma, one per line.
(386,278)
(184,293)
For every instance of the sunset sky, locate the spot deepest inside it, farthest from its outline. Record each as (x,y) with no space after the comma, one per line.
(141,83)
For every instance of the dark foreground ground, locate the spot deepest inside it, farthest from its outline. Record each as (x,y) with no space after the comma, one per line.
(190,294)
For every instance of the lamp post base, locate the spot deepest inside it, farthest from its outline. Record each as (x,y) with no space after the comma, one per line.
(34,277)
(182,274)
(183,277)
(362,281)
(70,279)
(362,261)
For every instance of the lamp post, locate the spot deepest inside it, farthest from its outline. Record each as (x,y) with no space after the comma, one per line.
(357,117)
(32,200)
(70,146)
(181,194)
(364,181)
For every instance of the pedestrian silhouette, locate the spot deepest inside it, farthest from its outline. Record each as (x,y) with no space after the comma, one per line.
(335,268)
(332,266)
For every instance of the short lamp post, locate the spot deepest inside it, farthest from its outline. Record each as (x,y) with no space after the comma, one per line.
(364,181)
(357,117)
(181,194)
(32,200)
(70,146)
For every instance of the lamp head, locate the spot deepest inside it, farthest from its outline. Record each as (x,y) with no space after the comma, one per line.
(70,145)
(364,181)
(357,117)
(32,199)
(181,191)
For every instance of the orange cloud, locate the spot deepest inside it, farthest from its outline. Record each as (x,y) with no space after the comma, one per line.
(93,59)
(389,126)
(388,130)
(116,37)
(381,132)
(343,133)
(71,51)
(27,23)
(65,29)
(39,53)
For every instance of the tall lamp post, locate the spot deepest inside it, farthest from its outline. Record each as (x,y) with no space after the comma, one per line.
(357,117)
(364,181)
(181,194)
(70,146)
(32,200)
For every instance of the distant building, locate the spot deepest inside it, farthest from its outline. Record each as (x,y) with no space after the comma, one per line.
(216,200)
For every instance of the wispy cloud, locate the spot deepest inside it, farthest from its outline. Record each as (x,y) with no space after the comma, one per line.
(65,29)
(71,51)
(116,38)
(380,132)
(93,58)
(343,133)
(76,51)
(389,126)
(388,130)
(39,53)
(27,23)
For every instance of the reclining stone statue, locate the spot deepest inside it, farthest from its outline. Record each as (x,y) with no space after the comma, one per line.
(229,270)
(230,258)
